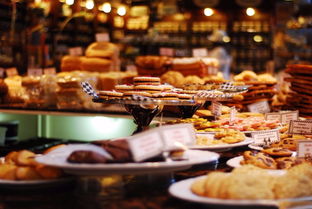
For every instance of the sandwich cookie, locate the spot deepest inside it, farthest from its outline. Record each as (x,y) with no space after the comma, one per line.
(146,80)
(110,95)
(148,88)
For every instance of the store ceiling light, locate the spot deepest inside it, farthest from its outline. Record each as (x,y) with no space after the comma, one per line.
(250,11)
(226,39)
(106,7)
(258,38)
(208,12)
(69,2)
(121,10)
(89,4)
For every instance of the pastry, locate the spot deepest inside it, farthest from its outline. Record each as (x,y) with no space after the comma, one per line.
(94,64)
(84,156)
(277,152)
(148,88)
(146,81)
(174,78)
(287,162)
(70,63)
(259,159)
(101,49)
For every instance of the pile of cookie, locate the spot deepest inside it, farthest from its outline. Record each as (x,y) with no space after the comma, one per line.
(228,136)
(241,124)
(251,183)
(262,88)
(300,97)
(152,88)
(271,158)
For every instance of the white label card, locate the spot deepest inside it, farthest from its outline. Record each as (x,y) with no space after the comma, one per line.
(216,108)
(131,68)
(300,127)
(166,52)
(265,137)
(75,51)
(102,37)
(49,71)
(232,115)
(178,136)
(34,72)
(273,116)
(145,145)
(200,52)
(2,72)
(286,117)
(259,107)
(304,149)
(10,72)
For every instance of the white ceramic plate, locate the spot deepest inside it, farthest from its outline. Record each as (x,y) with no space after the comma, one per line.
(182,191)
(194,157)
(235,161)
(222,146)
(35,184)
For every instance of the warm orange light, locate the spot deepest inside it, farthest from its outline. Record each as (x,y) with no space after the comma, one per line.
(250,11)
(208,12)
(121,10)
(106,7)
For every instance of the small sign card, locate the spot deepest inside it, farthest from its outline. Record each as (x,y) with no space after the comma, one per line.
(49,71)
(304,149)
(265,137)
(146,145)
(287,116)
(10,72)
(131,68)
(200,52)
(259,107)
(2,70)
(166,52)
(75,51)
(273,116)
(216,108)
(34,72)
(300,127)
(178,136)
(102,37)
(232,115)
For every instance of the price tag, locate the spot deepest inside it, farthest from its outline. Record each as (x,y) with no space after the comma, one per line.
(178,136)
(304,149)
(232,115)
(166,52)
(131,68)
(181,53)
(286,117)
(146,145)
(200,52)
(216,108)
(34,72)
(300,127)
(273,116)
(10,72)
(102,37)
(259,107)
(265,137)
(49,71)
(75,51)
(2,72)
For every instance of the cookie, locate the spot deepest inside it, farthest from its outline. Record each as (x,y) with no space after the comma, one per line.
(124,88)
(252,185)
(139,93)
(299,68)
(277,152)
(288,143)
(148,88)
(185,96)
(110,94)
(287,162)
(165,96)
(259,159)
(145,80)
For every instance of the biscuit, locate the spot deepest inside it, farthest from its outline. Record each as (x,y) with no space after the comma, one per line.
(198,187)
(277,152)
(148,88)
(128,94)
(185,96)
(165,96)
(124,88)
(110,94)
(145,80)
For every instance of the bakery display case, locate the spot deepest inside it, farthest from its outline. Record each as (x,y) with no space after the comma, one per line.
(128,104)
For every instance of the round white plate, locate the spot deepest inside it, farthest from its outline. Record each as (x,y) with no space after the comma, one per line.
(222,146)
(194,157)
(35,184)
(235,161)
(182,191)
